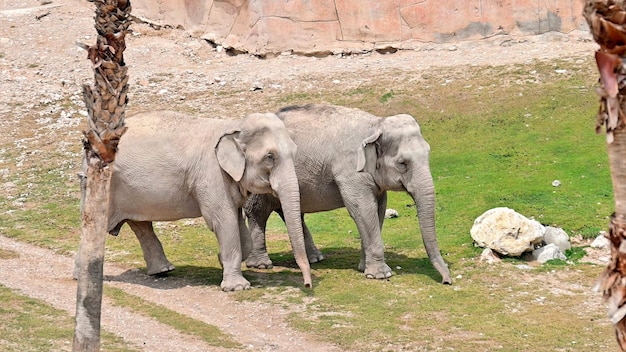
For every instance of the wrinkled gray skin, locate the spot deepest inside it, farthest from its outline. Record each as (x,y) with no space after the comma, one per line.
(347,157)
(170,166)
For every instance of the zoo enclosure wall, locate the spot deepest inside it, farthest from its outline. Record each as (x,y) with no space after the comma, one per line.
(311,27)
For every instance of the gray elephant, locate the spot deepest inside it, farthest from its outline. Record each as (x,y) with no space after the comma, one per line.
(347,157)
(170,166)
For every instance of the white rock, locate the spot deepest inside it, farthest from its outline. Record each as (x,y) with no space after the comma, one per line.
(548,252)
(489,256)
(506,232)
(558,237)
(391,213)
(600,242)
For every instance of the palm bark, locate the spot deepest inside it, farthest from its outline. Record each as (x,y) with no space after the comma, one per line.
(607,20)
(106,105)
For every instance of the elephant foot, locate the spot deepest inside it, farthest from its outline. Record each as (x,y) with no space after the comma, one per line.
(315,258)
(235,284)
(159,269)
(259,261)
(378,271)
(314,255)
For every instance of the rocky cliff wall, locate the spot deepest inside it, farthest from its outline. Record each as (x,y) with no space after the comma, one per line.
(310,27)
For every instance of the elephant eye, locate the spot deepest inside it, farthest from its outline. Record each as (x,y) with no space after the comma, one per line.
(401,165)
(269,158)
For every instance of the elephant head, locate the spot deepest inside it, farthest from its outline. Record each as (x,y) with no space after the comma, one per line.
(397,156)
(259,156)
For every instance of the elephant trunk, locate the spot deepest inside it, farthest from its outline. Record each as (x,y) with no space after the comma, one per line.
(422,191)
(285,184)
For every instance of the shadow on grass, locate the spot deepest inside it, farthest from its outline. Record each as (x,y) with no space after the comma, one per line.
(285,272)
(189,275)
(348,258)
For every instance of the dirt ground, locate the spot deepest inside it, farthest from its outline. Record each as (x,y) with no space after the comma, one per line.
(42,70)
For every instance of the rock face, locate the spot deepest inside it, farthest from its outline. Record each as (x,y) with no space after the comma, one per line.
(506,232)
(323,26)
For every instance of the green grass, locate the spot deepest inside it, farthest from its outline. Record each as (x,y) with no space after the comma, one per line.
(29,325)
(499,137)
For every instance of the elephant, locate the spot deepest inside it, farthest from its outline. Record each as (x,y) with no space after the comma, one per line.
(171,166)
(350,158)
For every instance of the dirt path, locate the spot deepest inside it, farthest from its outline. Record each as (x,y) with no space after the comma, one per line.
(41,73)
(41,274)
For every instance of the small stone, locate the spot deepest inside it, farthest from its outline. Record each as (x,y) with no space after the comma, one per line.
(256,86)
(558,237)
(600,242)
(391,213)
(489,256)
(548,252)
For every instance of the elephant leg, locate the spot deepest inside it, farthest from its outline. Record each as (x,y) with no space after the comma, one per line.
(228,231)
(312,252)
(382,208)
(258,210)
(244,235)
(153,254)
(363,207)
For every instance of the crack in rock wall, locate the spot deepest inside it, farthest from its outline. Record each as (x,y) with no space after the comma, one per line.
(314,27)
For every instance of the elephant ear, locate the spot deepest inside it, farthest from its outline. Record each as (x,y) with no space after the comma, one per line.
(230,155)
(367,153)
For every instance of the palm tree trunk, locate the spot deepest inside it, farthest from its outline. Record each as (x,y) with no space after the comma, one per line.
(106,105)
(613,279)
(606,19)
